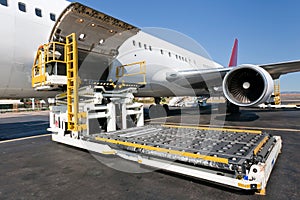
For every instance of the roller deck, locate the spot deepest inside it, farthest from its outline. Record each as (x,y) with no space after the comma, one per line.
(230,148)
(234,158)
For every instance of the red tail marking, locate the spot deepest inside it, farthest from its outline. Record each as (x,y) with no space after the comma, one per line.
(234,54)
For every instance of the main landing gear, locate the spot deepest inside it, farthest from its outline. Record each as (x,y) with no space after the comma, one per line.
(158,110)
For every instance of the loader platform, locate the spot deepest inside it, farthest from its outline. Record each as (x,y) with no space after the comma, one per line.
(234,158)
(102,116)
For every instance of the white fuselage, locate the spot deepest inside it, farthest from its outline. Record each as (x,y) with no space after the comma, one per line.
(22,33)
(162,58)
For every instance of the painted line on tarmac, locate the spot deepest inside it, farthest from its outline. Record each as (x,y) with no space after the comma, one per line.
(25,138)
(239,127)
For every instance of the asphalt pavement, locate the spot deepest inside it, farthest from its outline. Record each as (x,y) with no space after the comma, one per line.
(37,168)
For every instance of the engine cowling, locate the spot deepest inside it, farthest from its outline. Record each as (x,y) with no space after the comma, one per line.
(248,85)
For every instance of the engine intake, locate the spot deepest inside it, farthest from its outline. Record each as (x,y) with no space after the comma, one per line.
(248,85)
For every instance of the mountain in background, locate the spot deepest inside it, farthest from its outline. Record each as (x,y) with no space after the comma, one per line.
(290,92)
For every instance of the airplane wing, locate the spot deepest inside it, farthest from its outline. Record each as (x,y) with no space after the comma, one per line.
(278,69)
(198,78)
(213,77)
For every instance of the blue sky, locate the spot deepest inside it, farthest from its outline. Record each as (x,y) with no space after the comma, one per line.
(268,31)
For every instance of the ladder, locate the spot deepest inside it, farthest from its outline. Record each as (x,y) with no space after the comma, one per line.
(71,57)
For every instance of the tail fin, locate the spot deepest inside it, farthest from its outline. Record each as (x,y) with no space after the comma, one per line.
(234,54)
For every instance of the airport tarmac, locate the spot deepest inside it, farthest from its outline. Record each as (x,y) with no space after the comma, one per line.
(37,168)
(23,124)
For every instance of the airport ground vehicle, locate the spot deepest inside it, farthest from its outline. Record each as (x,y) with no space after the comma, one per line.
(100,116)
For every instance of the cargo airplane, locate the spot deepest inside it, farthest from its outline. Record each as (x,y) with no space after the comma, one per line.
(105,42)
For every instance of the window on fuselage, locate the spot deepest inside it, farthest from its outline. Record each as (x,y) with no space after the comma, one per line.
(53,17)
(150,48)
(133,42)
(162,52)
(3,2)
(38,12)
(145,46)
(22,6)
(170,54)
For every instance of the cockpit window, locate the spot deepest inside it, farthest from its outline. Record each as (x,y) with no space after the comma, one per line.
(22,7)
(52,17)
(4,2)
(38,12)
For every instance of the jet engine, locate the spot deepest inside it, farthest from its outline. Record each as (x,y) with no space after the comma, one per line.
(248,85)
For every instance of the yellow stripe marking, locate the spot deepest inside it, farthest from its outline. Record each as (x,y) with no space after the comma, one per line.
(261,192)
(248,186)
(245,186)
(158,149)
(109,152)
(214,129)
(256,150)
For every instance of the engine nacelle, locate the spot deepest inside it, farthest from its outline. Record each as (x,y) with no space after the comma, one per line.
(248,85)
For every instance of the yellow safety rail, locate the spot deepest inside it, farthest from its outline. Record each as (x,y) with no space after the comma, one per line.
(164,150)
(120,71)
(45,55)
(259,146)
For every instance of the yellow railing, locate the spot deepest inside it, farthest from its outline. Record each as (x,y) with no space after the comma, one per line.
(120,71)
(49,54)
(46,54)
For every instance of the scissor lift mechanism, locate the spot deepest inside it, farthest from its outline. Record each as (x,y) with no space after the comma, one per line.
(102,117)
